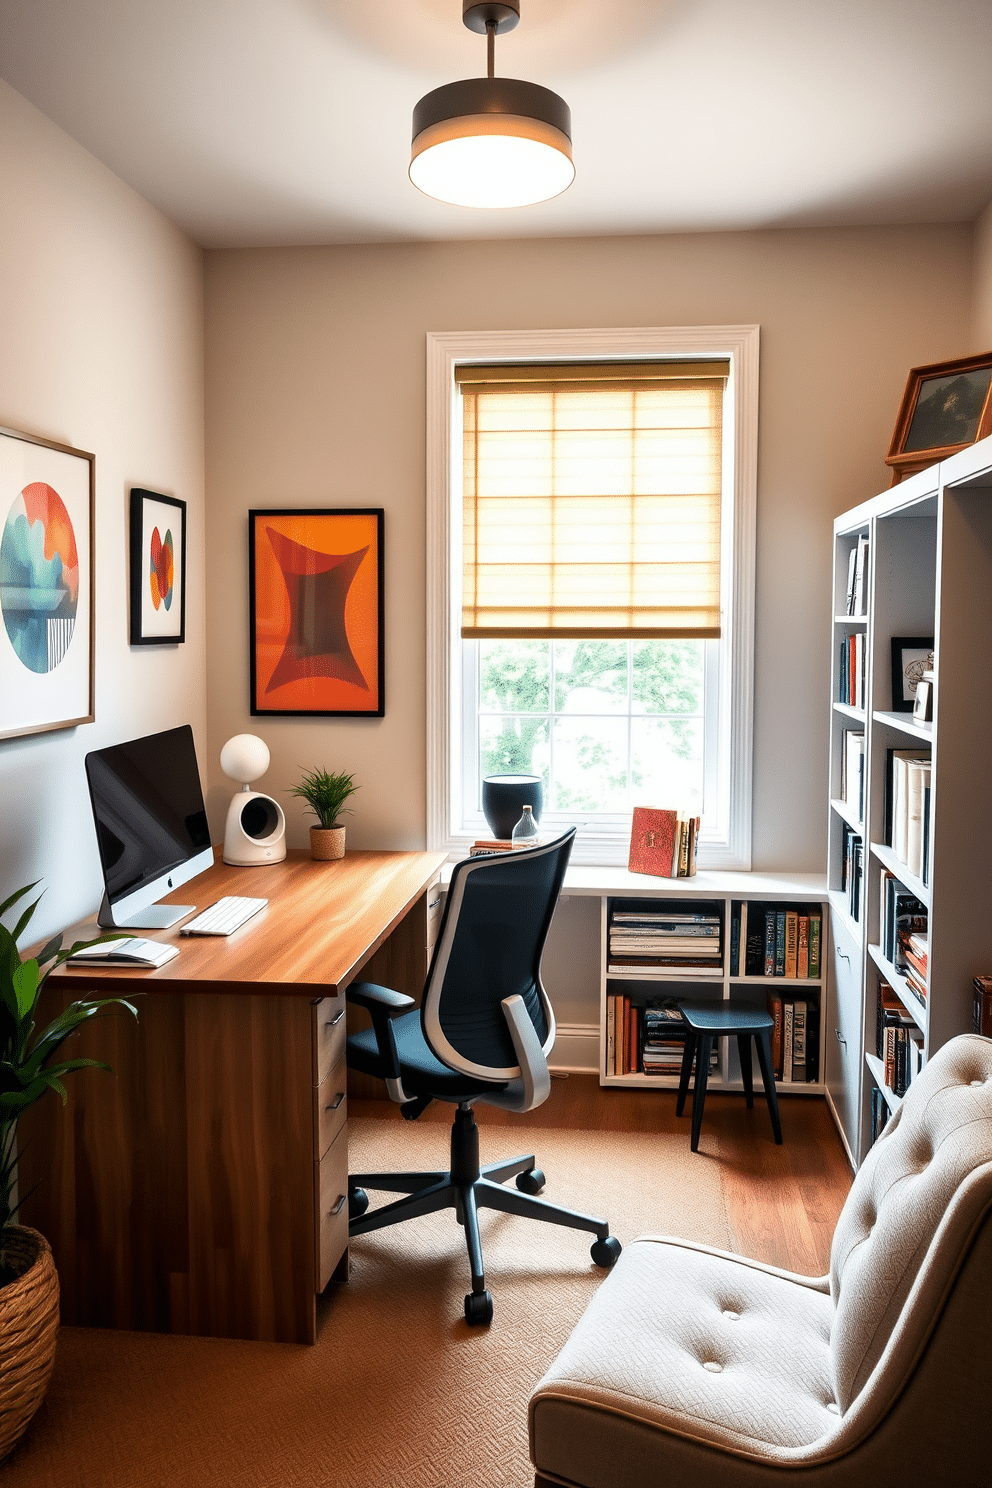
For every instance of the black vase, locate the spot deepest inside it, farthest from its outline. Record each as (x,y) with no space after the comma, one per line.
(504,798)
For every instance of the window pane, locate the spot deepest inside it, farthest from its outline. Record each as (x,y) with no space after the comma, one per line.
(591,676)
(514,676)
(667,677)
(590,764)
(513,746)
(667,763)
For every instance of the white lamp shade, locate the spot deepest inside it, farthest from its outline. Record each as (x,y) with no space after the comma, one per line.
(245,758)
(493,170)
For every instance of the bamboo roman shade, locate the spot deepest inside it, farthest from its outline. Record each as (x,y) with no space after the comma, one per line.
(592,499)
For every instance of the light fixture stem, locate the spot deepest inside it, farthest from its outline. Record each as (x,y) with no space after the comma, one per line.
(491,47)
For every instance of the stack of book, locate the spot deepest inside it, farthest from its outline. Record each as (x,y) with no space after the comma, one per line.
(663,842)
(677,936)
(662,1039)
(852,671)
(904,924)
(646,1038)
(857,577)
(795,1040)
(852,772)
(898,1041)
(486,846)
(908,808)
(852,871)
(775,940)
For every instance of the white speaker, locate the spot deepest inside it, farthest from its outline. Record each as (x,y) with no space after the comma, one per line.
(256,826)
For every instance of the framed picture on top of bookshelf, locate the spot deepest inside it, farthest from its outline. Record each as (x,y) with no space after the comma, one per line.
(946,407)
(911,657)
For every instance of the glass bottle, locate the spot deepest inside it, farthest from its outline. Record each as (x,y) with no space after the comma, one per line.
(525,832)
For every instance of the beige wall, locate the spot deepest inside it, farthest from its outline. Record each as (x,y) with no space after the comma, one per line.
(981,317)
(315,395)
(100,348)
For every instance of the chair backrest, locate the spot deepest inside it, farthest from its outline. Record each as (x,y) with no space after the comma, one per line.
(914,1206)
(489,947)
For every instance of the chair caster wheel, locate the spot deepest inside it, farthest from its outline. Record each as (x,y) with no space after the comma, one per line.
(606,1252)
(358,1202)
(531,1182)
(479,1309)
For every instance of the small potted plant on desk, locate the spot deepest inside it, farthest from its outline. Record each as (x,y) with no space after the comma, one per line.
(325,796)
(29,1287)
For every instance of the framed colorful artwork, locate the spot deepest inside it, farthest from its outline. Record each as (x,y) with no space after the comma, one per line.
(158,569)
(316,599)
(47,494)
(946,407)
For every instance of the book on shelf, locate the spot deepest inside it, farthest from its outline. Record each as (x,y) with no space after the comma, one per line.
(775,1008)
(852,868)
(788,1012)
(852,784)
(983,1006)
(879,1113)
(799,1042)
(802,947)
(860,587)
(815,941)
(667,935)
(851,689)
(663,842)
(852,567)
(791,943)
(903,796)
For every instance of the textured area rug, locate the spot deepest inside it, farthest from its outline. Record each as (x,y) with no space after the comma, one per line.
(398,1392)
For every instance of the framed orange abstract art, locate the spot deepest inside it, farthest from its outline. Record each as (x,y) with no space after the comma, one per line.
(316,597)
(158,569)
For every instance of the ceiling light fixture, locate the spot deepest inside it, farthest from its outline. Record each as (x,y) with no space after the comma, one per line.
(492,142)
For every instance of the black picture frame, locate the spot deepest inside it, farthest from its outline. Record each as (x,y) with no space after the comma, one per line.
(911,657)
(157,564)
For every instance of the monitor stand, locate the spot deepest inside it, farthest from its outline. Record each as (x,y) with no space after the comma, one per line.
(152,917)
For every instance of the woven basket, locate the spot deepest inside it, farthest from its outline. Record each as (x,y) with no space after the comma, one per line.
(29,1324)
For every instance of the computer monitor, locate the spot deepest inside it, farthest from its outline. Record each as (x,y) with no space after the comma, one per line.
(151,827)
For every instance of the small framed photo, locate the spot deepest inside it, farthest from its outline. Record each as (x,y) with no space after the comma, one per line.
(946,407)
(315,582)
(923,702)
(158,569)
(47,494)
(911,657)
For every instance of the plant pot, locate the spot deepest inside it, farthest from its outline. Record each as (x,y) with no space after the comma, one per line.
(326,843)
(29,1324)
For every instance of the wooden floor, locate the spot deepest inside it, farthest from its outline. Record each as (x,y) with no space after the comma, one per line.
(782,1202)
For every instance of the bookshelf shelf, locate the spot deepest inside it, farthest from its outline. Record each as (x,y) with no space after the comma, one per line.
(927,576)
(744,901)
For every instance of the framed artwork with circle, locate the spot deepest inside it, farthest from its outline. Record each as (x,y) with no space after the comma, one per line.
(47,495)
(158,569)
(315,582)
(912,656)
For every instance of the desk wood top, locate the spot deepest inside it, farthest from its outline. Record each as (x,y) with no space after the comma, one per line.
(322,923)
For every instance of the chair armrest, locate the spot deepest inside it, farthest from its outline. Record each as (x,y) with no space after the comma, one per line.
(377,999)
(384,1005)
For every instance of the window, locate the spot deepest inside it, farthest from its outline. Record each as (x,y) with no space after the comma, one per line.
(569,667)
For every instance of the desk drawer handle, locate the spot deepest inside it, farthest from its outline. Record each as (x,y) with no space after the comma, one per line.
(336,1101)
(335,1021)
(840,1037)
(434,903)
(338,1207)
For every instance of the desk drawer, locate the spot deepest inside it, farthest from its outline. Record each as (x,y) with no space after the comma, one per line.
(330,1108)
(328,1035)
(435,908)
(331,1183)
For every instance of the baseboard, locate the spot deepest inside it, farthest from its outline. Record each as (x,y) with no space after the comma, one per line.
(576,1049)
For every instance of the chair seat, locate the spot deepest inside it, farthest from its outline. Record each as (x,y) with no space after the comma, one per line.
(692,1341)
(422,1073)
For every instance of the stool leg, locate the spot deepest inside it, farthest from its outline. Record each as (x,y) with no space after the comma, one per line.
(764,1046)
(744,1050)
(699,1088)
(687,1053)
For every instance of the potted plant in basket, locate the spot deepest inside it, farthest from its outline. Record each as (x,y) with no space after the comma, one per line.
(325,796)
(29,1288)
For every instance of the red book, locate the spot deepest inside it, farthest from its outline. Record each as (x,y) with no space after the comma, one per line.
(653,840)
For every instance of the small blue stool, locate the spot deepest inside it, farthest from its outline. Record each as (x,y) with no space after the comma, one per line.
(713,1020)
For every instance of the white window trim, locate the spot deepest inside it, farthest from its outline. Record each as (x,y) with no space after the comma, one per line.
(447,348)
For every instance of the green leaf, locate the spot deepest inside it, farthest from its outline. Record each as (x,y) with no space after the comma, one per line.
(7,903)
(51,949)
(26,988)
(25,919)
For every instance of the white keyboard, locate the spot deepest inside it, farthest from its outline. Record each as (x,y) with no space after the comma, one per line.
(225,916)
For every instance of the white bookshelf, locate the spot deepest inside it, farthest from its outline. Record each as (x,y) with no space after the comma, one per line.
(929,574)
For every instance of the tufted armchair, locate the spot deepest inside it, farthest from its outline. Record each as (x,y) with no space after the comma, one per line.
(692,1366)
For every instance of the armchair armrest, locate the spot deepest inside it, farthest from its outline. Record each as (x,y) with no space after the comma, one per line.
(384,1005)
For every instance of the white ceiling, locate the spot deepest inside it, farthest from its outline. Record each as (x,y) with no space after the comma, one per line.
(288,121)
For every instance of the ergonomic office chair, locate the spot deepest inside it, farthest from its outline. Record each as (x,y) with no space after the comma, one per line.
(482,1033)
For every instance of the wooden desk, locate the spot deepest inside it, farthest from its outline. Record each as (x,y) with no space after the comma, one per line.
(203,1187)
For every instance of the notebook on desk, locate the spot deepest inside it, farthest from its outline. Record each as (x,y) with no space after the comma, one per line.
(130,950)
